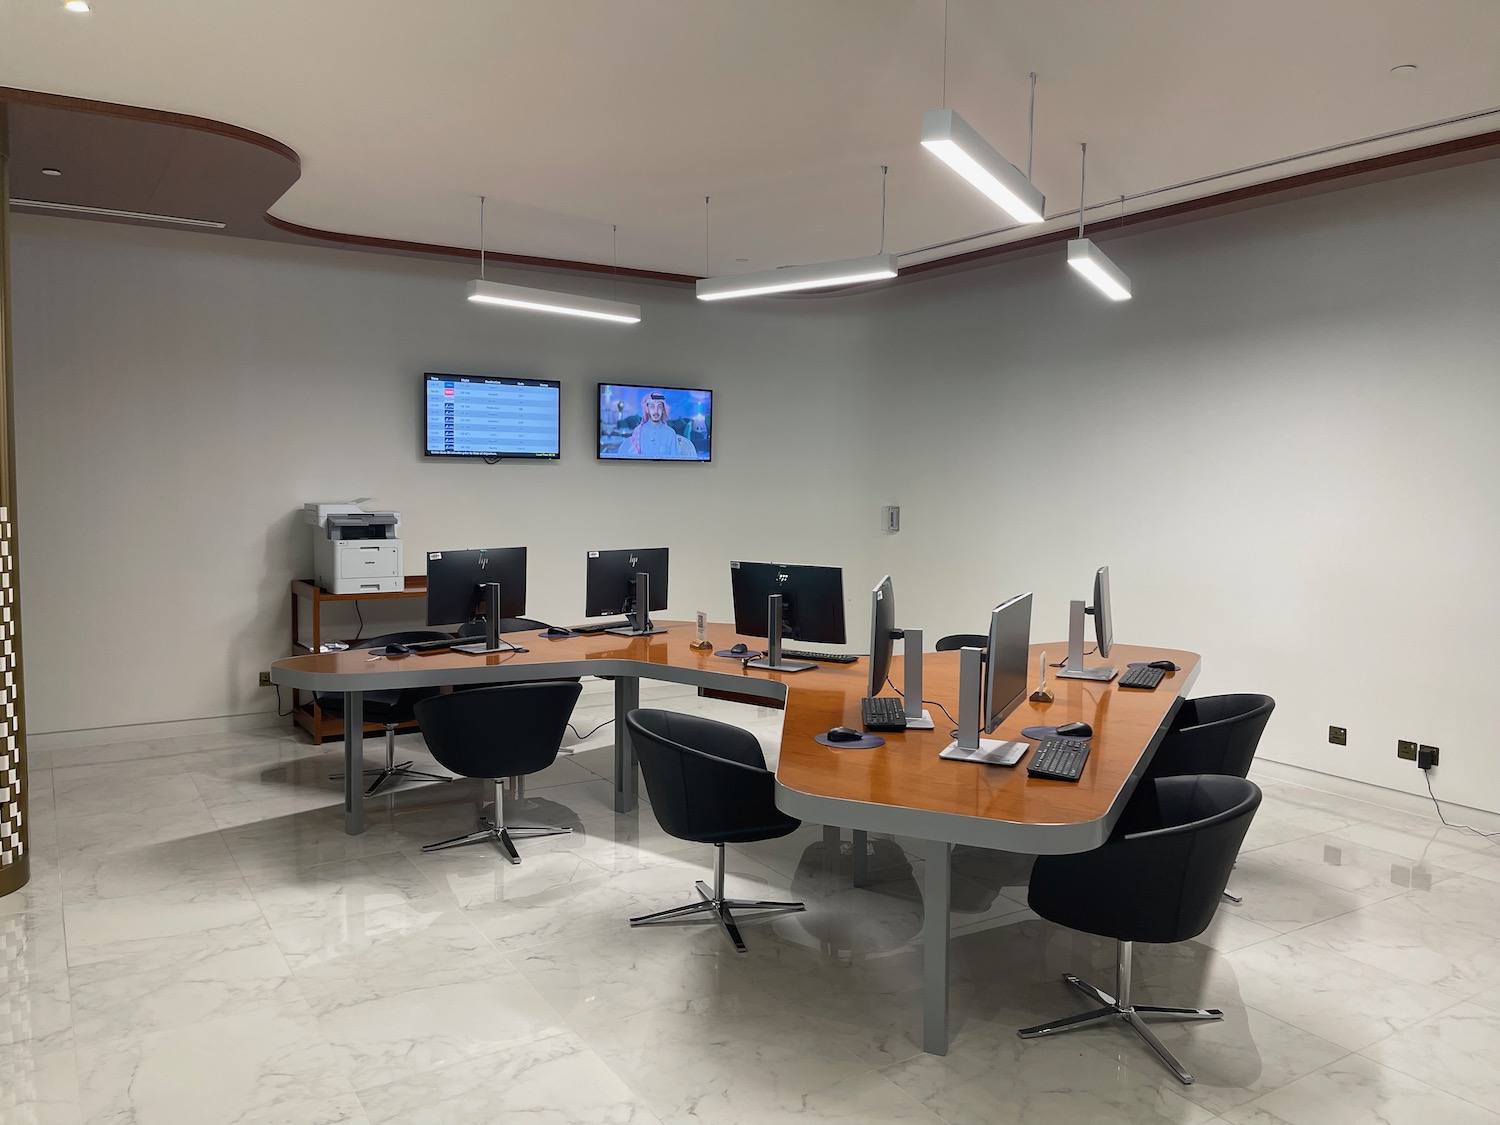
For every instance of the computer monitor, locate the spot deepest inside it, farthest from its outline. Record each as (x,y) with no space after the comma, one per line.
(456,582)
(1104,633)
(616,579)
(992,684)
(808,606)
(884,634)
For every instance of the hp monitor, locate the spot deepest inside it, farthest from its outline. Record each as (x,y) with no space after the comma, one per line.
(781,600)
(883,637)
(631,582)
(457,583)
(992,684)
(1104,633)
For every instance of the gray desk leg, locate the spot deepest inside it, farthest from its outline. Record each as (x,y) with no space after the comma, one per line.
(354,762)
(831,844)
(935,902)
(860,853)
(627,699)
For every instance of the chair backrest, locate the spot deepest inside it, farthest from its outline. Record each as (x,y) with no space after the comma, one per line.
(506,731)
(410,636)
(707,780)
(955,641)
(1214,734)
(385,705)
(1160,883)
(507,625)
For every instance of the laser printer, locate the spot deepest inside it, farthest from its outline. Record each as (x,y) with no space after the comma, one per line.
(355,551)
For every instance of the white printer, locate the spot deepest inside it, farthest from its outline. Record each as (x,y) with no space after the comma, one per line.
(355,551)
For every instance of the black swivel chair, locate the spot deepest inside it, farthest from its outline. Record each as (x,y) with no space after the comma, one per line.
(708,783)
(390,708)
(955,641)
(1214,734)
(494,733)
(1158,881)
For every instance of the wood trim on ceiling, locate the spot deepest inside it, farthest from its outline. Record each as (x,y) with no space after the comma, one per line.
(1463,150)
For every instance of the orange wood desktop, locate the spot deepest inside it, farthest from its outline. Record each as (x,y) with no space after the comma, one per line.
(905,772)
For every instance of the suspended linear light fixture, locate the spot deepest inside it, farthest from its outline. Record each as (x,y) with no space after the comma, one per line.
(819,275)
(545,300)
(958,144)
(1088,259)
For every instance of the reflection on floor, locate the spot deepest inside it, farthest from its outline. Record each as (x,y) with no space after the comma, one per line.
(202,943)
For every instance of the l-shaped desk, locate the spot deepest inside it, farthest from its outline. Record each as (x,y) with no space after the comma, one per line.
(902,787)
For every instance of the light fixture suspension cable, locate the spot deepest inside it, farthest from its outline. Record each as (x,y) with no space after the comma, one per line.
(1083,162)
(481,238)
(707,272)
(945,54)
(884,172)
(615,259)
(1031,126)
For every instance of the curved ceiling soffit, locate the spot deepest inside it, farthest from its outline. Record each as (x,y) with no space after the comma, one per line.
(151,161)
(159,162)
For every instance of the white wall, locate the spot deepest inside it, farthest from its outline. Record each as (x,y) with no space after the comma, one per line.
(178,398)
(1308,389)
(1307,398)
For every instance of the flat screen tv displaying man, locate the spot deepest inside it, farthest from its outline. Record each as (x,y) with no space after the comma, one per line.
(647,423)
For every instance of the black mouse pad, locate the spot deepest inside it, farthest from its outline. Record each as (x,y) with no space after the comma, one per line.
(868,742)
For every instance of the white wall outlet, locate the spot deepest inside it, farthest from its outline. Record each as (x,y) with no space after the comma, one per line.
(891,518)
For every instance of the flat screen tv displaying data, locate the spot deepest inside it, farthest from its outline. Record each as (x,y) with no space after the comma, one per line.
(647,423)
(491,416)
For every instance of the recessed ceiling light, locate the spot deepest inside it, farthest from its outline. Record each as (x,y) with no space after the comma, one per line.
(51,172)
(79,6)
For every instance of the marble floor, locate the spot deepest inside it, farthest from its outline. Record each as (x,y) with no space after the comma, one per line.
(201,943)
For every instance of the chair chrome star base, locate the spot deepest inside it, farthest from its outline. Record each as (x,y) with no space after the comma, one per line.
(714,902)
(497,831)
(1120,1007)
(391,769)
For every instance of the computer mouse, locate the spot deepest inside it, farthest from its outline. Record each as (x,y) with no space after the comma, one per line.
(1165,665)
(396,650)
(740,649)
(554,631)
(1075,730)
(844,734)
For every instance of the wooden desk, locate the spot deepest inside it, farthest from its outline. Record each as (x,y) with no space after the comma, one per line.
(902,787)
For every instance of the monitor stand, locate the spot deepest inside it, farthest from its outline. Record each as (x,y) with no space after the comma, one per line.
(911,650)
(1074,669)
(639,611)
(492,641)
(968,746)
(772,661)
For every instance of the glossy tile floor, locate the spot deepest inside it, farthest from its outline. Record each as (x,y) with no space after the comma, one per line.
(201,943)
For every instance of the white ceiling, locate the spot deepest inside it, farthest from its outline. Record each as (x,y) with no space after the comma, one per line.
(573,115)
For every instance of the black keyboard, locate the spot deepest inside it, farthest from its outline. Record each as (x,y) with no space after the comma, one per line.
(446,642)
(1060,759)
(820,657)
(598,626)
(883,712)
(1143,676)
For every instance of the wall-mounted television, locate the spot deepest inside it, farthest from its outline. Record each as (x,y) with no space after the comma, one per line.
(491,416)
(647,423)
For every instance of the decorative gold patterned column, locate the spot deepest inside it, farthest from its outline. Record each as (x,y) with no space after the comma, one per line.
(15,862)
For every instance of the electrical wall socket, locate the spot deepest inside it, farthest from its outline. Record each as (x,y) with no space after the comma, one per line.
(265,679)
(1339,736)
(1406,750)
(1432,749)
(890,518)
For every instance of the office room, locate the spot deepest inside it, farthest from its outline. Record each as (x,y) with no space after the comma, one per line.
(1279,446)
